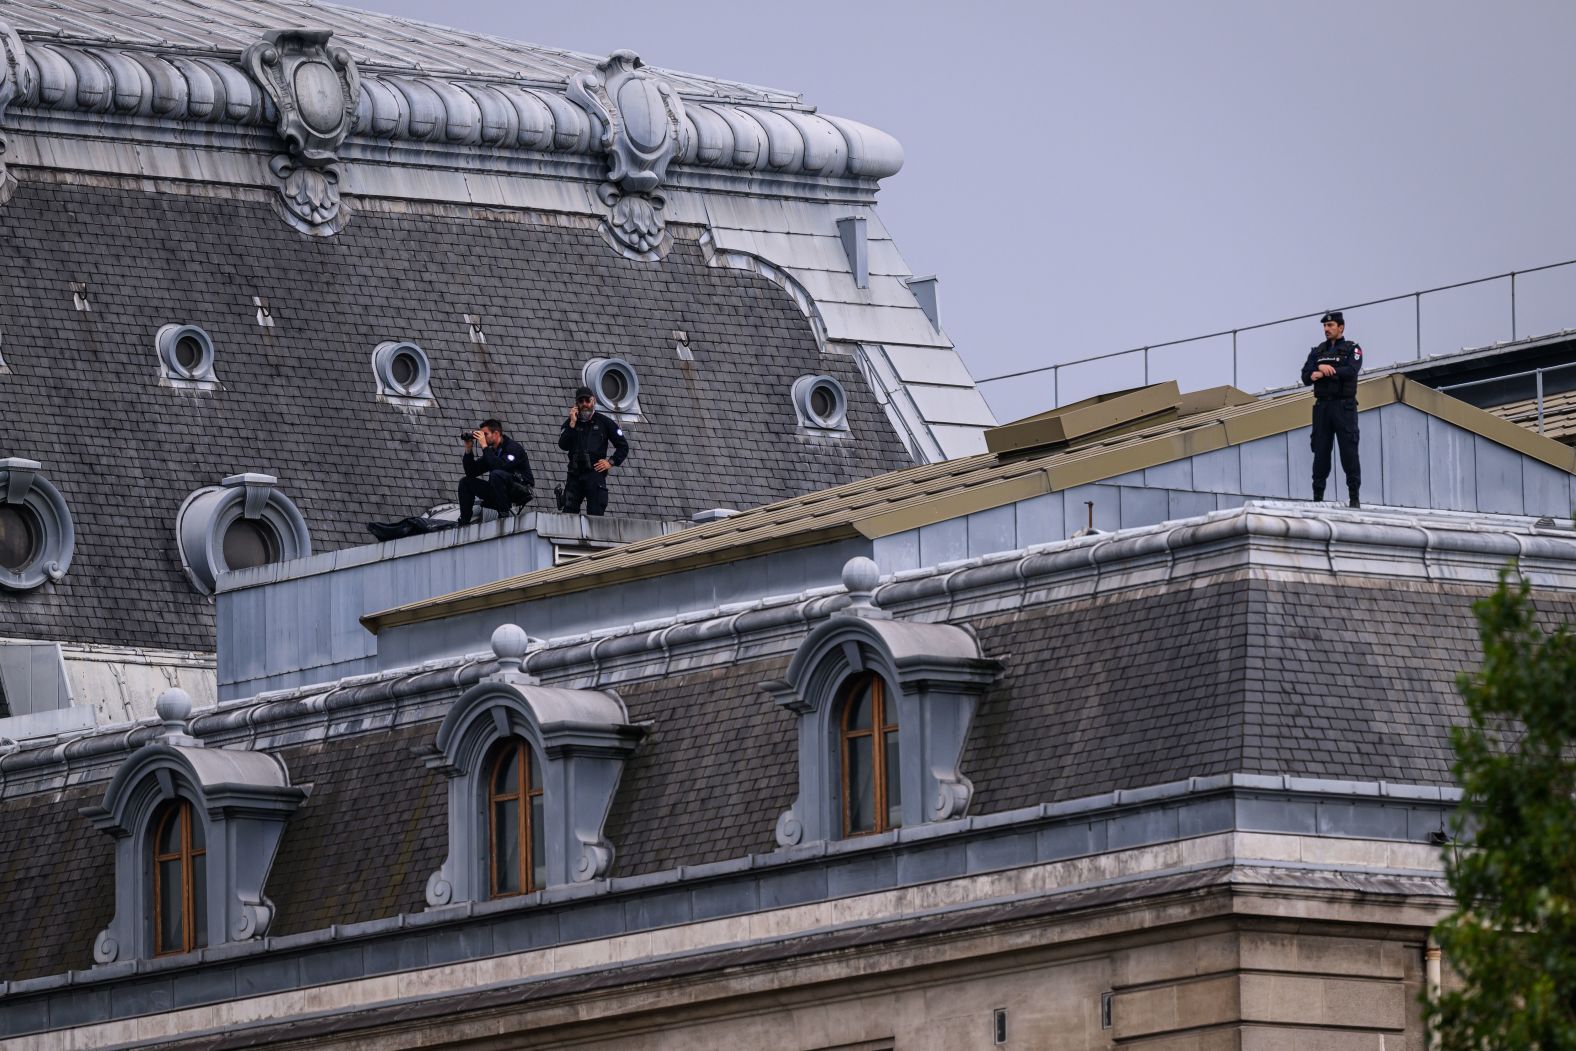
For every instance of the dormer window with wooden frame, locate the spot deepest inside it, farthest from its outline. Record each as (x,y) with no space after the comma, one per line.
(515,821)
(195,831)
(884,708)
(180,879)
(532,770)
(871,789)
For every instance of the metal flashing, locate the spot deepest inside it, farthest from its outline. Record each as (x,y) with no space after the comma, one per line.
(953,505)
(1488,425)
(1213,398)
(1083,419)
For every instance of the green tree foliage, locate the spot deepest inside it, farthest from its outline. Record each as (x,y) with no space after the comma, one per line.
(1512,937)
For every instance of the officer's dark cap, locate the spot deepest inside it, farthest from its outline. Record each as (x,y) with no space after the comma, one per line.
(1333,315)
(584,392)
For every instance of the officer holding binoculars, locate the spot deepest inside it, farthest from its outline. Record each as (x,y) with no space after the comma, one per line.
(499,474)
(585,436)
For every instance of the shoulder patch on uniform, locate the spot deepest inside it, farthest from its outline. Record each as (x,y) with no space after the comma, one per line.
(618,431)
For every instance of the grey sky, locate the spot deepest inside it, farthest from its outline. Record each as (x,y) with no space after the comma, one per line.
(1087,177)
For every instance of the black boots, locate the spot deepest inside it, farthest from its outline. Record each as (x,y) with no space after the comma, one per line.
(1318,496)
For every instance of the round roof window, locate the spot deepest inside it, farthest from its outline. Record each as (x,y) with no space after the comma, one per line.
(249,542)
(822,403)
(402,370)
(244,522)
(37,538)
(19,537)
(188,352)
(405,368)
(616,385)
(185,354)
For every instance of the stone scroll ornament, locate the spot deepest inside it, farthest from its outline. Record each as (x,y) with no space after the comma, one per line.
(314,89)
(16,79)
(642,126)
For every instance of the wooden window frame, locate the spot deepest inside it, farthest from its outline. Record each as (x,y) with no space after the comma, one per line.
(180,810)
(523,795)
(879,729)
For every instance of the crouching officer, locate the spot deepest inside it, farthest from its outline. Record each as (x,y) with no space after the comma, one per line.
(585,436)
(500,473)
(1332,369)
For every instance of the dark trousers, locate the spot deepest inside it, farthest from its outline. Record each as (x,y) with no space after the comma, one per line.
(493,488)
(1335,420)
(590,486)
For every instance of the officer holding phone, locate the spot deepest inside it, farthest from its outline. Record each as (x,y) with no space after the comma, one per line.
(585,436)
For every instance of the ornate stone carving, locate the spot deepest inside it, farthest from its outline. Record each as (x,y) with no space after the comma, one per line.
(936,674)
(315,90)
(643,125)
(243,799)
(16,78)
(581,738)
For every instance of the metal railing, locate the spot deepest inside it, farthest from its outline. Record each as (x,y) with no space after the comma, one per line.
(1536,374)
(1417,315)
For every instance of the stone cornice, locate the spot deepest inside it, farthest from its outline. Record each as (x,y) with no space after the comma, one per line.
(172,90)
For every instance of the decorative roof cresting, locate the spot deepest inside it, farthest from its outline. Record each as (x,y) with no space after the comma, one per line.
(151,65)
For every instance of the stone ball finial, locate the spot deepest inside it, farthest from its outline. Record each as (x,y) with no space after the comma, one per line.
(174,707)
(861,575)
(510,643)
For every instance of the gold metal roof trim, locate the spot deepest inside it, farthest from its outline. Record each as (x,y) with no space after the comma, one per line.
(1082,419)
(918,496)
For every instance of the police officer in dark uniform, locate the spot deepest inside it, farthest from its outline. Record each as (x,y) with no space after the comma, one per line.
(585,436)
(500,474)
(1332,369)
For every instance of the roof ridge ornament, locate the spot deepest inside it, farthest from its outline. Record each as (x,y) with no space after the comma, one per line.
(174,708)
(315,90)
(16,79)
(511,647)
(642,130)
(860,577)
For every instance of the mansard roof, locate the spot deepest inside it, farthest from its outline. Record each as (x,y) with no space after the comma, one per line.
(1298,675)
(295,321)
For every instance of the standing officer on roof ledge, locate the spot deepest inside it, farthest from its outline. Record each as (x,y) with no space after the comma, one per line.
(1332,369)
(585,436)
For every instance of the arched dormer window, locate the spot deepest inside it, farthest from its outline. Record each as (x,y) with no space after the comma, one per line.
(884,708)
(195,832)
(518,858)
(871,789)
(532,770)
(179,845)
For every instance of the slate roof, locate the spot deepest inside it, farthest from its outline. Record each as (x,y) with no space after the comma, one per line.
(1559,416)
(1350,680)
(298,399)
(380,40)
